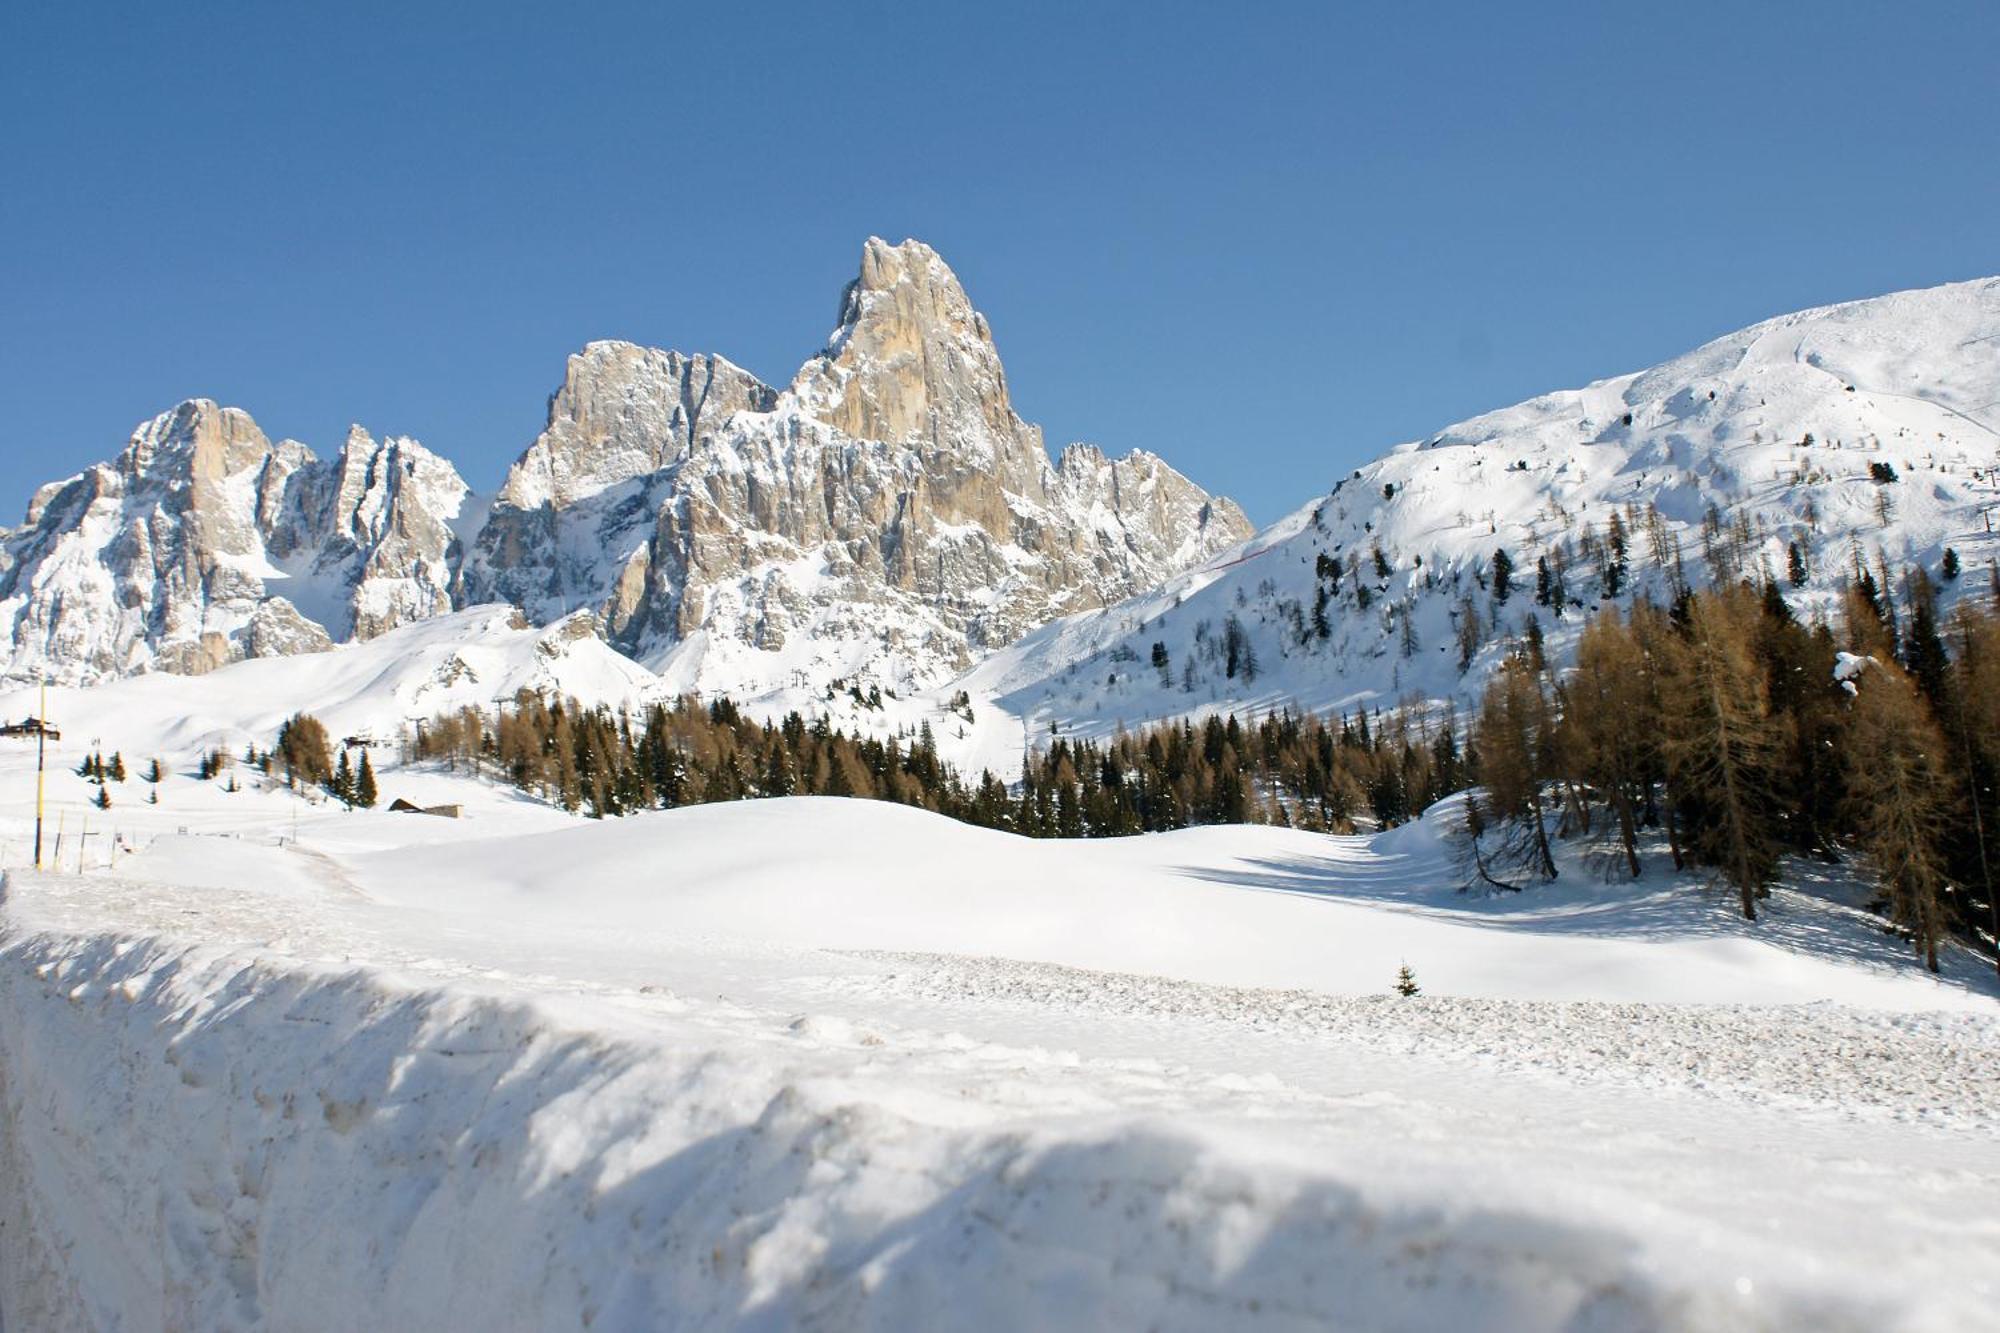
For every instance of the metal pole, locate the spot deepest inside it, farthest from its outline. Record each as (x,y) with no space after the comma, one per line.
(41,765)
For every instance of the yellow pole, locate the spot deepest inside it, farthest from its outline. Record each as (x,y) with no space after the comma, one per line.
(41,764)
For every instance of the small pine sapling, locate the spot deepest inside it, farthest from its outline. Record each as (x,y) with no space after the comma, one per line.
(1406,982)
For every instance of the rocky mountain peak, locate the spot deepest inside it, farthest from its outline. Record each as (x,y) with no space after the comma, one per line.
(198,438)
(625,411)
(912,362)
(883,518)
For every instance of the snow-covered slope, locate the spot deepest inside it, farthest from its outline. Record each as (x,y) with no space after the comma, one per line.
(411,1072)
(377,689)
(1715,464)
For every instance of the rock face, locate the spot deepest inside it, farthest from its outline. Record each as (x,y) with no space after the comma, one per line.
(204,542)
(886,518)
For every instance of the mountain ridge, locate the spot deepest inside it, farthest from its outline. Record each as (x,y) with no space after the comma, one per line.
(703,517)
(1715,462)
(734,538)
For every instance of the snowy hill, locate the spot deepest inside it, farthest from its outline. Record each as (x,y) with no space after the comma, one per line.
(827,1062)
(1715,463)
(479,658)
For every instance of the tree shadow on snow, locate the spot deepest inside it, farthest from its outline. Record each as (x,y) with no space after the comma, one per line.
(1817,909)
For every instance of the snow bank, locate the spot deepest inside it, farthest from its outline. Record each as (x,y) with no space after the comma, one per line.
(196,1141)
(404,1073)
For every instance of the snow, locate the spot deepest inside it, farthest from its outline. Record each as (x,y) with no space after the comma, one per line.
(478,657)
(1775,425)
(268,1063)
(813,1061)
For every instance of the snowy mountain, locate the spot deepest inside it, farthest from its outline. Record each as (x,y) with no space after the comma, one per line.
(886,518)
(267,1061)
(204,542)
(1867,432)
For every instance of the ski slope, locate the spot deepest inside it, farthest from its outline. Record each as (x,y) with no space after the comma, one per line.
(822,1062)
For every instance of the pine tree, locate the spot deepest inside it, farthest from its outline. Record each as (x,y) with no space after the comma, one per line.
(1949,566)
(1406,982)
(365,793)
(1614,561)
(1471,633)
(1795,565)
(117,769)
(1515,745)
(1503,576)
(1923,649)
(155,772)
(302,744)
(342,782)
(1235,646)
(103,798)
(1609,725)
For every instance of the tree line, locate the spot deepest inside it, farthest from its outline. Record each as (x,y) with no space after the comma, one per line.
(1718,723)
(1286,768)
(1742,734)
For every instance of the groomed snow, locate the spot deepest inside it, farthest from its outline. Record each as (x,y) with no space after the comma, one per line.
(828,1062)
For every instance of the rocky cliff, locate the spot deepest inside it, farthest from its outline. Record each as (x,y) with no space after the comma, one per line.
(885,518)
(205,542)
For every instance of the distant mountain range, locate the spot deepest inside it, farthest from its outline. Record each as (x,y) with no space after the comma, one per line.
(887,519)
(887,523)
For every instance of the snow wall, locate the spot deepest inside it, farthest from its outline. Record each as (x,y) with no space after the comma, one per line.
(197,1140)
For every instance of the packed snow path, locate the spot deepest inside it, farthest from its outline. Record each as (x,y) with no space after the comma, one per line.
(839,1064)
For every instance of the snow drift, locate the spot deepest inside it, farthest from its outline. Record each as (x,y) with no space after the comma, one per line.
(418,1074)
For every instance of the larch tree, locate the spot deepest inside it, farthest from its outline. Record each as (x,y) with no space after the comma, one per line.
(1515,735)
(1609,724)
(1900,801)
(1719,743)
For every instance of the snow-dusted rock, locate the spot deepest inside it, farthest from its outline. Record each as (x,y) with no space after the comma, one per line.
(887,516)
(204,542)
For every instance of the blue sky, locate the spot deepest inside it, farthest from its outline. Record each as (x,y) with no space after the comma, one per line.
(1265,241)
